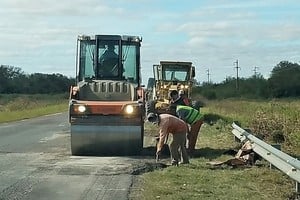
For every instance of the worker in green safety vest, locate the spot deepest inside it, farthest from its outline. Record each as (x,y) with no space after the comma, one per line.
(195,119)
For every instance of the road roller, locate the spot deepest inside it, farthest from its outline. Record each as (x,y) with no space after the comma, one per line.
(106,105)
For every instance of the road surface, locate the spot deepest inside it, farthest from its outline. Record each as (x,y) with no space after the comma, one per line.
(36,164)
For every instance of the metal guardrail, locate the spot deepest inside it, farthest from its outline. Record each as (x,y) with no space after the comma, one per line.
(284,162)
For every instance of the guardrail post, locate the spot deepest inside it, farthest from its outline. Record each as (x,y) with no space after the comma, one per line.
(236,139)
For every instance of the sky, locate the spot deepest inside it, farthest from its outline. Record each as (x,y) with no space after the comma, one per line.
(39,36)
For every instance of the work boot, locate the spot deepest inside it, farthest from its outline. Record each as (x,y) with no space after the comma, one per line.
(174,163)
(184,162)
(191,152)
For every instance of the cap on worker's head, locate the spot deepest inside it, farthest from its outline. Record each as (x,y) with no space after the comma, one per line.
(151,117)
(181,92)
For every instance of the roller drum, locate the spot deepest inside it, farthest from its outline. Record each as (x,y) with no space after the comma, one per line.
(107,136)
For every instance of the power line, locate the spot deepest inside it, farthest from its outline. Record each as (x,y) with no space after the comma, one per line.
(237,73)
(208,74)
(255,71)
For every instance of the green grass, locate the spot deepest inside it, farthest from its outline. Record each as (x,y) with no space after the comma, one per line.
(199,180)
(17,107)
(276,121)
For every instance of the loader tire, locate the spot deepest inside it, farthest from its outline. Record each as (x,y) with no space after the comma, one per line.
(150,107)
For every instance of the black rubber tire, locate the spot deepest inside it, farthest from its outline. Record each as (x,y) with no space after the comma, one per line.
(150,107)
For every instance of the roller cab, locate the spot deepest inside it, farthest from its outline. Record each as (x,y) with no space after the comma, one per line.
(106,106)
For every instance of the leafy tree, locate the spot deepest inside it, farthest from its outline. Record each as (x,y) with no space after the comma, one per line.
(253,87)
(49,83)
(8,74)
(14,80)
(284,80)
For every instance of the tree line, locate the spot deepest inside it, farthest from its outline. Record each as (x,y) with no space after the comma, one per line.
(283,82)
(14,80)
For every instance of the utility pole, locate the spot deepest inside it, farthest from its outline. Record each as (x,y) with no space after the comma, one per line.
(255,71)
(208,74)
(237,74)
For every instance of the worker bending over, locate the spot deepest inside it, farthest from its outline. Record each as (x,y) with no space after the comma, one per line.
(178,128)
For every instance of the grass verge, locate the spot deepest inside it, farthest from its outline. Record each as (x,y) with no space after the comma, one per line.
(17,107)
(199,180)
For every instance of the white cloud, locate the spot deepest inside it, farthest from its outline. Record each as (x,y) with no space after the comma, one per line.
(46,7)
(41,35)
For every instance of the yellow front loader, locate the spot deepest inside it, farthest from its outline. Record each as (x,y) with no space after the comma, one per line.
(168,76)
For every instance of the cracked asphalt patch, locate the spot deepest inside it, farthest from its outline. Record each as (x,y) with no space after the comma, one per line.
(147,167)
(38,165)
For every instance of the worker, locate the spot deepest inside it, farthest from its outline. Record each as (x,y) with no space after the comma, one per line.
(194,118)
(109,53)
(169,124)
(109,61)
(177,99)
(184,98)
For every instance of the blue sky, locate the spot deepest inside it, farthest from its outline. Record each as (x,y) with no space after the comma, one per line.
(40,35)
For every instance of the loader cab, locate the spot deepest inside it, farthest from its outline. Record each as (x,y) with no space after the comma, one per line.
(108,57)
(176,71)
(172,75)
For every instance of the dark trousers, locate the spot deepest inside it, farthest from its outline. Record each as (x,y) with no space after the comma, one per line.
(178,149)
(193,135)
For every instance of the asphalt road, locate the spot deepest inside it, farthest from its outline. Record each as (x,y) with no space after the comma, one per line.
(36,164)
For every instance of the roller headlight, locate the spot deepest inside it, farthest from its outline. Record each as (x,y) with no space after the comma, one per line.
(129,109)
(81,108)
(181,86)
